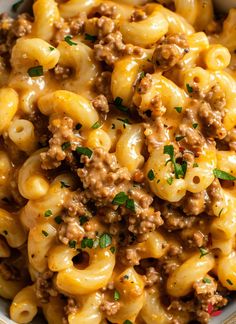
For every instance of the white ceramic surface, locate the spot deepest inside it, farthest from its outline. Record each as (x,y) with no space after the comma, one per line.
(229,313)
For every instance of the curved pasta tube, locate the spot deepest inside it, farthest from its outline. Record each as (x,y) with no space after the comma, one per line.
(9,288)
(200,177)
(11,229)
(123,78)
(216,57)
(8,106)
(73,105)
(27,51)
(228,35)
(40,240)
(24,306)
(94,277)
(180,282)
(34,210)
(73,7)
(98,138)
(54,310)
(60,258)
(32,183)
(90,312)
(78,58)
(5,251)
(129,146)
(45,11)
(130,286)
(5,168)
(147,31)
(197,76)
(226,270)
(21,132)
(171,192)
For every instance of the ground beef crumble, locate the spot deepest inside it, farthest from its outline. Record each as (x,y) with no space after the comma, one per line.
(9,272)
(110,308)
(44,287)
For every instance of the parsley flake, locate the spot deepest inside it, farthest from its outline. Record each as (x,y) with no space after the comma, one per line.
(51,48)
(48,213)
(206,280)
(87,242)
(113,249)
(113,126)
(84,151)
(96,125)
(220,212)
(120,198)
(223,175)
(195,125)
(65,146)
(35,71)
(105,240)
(189,88)
(229,282)
(116,295)
(72,244)
(179,138)
(195,165)
(64,185)
(45,233)
(170,180)
(178,109)
(127,322)
(58,219)
(151,175)
(141,75)
(118,104)
(130,204)
(78,126)
(203,252)
(179,169)
(91,38)
(69,41)
(83,219)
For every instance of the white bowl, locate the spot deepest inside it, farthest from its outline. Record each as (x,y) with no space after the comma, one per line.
(229,313)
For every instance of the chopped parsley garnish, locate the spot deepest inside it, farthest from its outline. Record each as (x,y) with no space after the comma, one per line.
(105,240)
(69,41)
(116,295)
(151,175)
(16,5)
(72,244)
(58,219)
(127,322)
(179,169)
(178,109)
(120,198)
(96,125)
(65,146)
(64,185)
(87,242)
(195,125)
(84,151)
(141,75)
(229,282)
(45,233)
(91,38)
(113,249)
(51,48)
(130,204)
(203,252)
(118,103)
(126,277)
(158,180)
(220,212)
(223,175)
(206,280)
(170,180)
(48,213)
(78,126)
(83,219)
(195,165)
(189,88)
(179,138)
(35,71)
(113,126)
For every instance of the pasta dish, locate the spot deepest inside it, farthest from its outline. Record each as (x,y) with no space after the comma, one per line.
(117,161)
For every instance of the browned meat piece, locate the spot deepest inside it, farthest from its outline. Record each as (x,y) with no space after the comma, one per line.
(151,277)
(215,195)
(170,51)
(44,287)
(145,84)
(71,307)
(70,230)
(230,139)
(193,238)
(216,98)
(100,104)
(104,9)
(103,84)
(110,308)
(193,139)
(75,204)
(138,15)
(9,272)
(129,256)
(61,143)
(105,26)
(212,121)
(102,177)
(62,72)
(194,203)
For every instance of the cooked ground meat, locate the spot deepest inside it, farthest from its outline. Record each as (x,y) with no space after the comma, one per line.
(230,139)
(194,203)
(193,238)
(75,204)
(102,177)
(70,230)
(103,84)
(138,15)
(61,143)
(170,51)
(71,307)
(105,26)
(44,287)
(215,195)
(9,272)
(129,256)
(110,308)
(145,84)
(104,9)
(100,104)
(151,277)
(62,72)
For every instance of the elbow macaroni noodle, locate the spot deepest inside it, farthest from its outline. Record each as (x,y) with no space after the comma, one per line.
(118,162)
